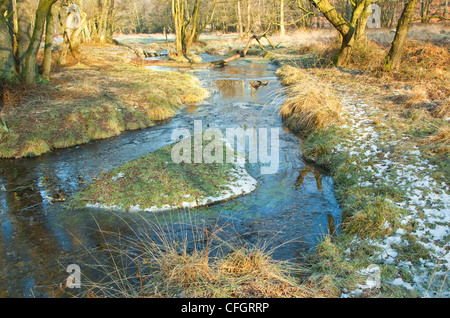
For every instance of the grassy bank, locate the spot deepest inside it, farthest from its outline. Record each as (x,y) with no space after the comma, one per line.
(386,145)
(155,182)
(99,97)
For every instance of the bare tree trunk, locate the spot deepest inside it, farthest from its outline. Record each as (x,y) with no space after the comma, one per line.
(200,28)
(108,30)
(425,10)
(185,29)
(345,29)
(15,34)
(249,18)
(49,30)
(29,71)
(394,56)
(177,14)
(240,28)
(7,62)
(26,12)
(191,28)
(445,8)
(106,17)
(282,28)
(362,21)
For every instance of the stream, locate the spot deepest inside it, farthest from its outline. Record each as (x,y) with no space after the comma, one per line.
(288,211)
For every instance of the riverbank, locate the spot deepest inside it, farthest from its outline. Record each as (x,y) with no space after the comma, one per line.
(98,97)
(388,154)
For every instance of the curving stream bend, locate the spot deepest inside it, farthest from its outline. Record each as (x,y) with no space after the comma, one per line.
(289,209)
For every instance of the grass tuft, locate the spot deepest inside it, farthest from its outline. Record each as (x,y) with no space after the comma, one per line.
(185,257)
(310,104)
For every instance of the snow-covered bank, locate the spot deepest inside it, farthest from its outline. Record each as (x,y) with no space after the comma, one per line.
(374,147)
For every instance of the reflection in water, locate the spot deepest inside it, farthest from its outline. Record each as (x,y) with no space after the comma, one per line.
(231,88)
(306,171)
(191,108)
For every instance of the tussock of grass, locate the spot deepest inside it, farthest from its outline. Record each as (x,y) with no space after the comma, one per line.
(310,104)
(414,98)
(187,258)
(443,109)
(376,219)
(440,141)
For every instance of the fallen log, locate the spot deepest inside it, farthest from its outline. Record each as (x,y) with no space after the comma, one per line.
(171,63)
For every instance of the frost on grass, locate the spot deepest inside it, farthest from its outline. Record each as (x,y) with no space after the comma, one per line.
(382,162)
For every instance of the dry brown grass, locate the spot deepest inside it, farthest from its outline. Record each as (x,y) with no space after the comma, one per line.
(184,259)
(414,98)
(100,96)
(443,109)
(427,56)
(367,55)
(244,272)
(310,103)
(442,136)
(440,141)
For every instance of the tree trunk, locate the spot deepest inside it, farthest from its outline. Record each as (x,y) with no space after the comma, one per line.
(394,56)
(249,18)
(282,28)
(346,29)
(177,14)
(362,21)
(240,29)
(49,30)
(425,10)
(343,27)
(26,12)
(445,8)
(200,28)
(108,25)
(29,71)
(185,29)
(191,28)
(15,34)
(7,62)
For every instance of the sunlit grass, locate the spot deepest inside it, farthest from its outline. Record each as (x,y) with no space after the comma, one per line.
(310,104)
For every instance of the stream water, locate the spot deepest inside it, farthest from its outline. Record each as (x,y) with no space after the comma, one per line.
(38,238)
